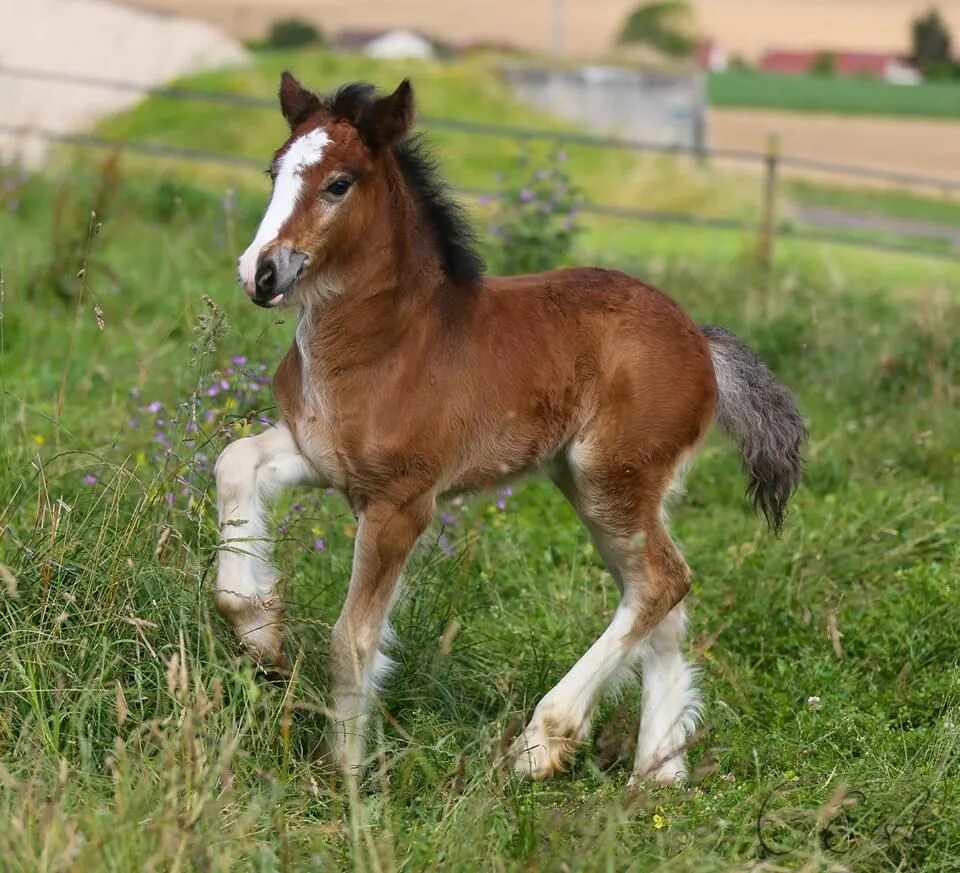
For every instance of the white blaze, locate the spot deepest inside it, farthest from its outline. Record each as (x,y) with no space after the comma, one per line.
(304,152)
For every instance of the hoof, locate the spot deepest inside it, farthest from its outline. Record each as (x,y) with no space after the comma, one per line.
(543,748)
(671,772)
(259,625)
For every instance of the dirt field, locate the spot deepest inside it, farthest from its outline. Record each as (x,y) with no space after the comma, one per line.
(744,27)
(926,147)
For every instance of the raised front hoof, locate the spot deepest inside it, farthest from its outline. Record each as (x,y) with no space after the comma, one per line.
(276,665)
(260,628)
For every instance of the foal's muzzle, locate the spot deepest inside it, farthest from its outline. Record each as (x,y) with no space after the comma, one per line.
(277,272)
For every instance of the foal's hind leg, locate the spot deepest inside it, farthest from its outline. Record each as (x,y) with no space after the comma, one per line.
(622,509)
(249,473)
(670,705)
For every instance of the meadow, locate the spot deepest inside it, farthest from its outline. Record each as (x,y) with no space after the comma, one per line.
(135,736)
(846,96)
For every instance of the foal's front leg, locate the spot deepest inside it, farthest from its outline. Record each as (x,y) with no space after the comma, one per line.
(385,536)
(249,473)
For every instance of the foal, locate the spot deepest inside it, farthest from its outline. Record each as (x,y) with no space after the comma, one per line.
(413,377)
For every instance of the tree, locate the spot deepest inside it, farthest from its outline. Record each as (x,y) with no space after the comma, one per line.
(293,33)
(824,64)
(664,25)
(931,42)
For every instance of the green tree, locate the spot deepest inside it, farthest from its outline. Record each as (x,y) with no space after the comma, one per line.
(664,25)
(824,64)
(931,42)
(293,33)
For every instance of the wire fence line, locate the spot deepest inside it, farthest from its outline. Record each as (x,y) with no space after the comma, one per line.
(654,216)
(771,161)
(492,129)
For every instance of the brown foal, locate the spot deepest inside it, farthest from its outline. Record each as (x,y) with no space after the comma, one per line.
(413,377)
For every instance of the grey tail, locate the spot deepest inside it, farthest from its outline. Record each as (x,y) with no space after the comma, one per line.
(760,414)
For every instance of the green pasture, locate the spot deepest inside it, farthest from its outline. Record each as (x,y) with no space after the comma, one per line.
(134,735)
(846,96)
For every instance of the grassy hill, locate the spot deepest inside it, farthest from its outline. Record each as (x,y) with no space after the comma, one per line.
(466,91)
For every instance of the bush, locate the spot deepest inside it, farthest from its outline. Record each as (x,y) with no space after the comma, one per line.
(293,33)
(824,64)
(535,222)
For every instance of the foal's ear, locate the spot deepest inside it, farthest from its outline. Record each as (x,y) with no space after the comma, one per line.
(389,119)
(296,102)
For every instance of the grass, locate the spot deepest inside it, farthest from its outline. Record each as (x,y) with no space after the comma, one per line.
(846,96)
(133,735)
(889,202)
(473,92)
(468,91)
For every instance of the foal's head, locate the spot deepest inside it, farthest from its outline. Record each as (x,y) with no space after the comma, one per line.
(340,180)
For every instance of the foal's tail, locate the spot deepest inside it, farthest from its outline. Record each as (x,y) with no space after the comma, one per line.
(758,411)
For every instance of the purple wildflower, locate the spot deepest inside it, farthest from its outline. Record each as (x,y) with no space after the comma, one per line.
(156,406)
(90,479)
(239,360)
(527,196)
(229,201)
(319,544)
(445,545)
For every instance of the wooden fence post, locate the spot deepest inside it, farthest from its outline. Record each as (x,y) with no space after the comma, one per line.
(768,224)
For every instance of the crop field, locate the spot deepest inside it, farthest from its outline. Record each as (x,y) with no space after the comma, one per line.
(846,96)
(135,736)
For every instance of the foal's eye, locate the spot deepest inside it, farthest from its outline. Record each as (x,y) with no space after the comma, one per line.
(339,187)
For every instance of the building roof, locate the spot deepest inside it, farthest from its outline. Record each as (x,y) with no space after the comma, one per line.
(846,63)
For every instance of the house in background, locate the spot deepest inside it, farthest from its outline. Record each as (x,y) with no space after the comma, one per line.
(710,57)
(877,65)
(395,43)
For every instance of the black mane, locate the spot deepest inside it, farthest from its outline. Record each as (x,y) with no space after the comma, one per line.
(453,234)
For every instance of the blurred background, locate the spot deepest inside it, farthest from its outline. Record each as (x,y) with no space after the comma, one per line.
(849,112)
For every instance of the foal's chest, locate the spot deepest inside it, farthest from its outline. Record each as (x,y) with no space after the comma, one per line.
(318,445)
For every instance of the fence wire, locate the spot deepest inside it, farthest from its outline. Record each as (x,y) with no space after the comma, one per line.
(561,138)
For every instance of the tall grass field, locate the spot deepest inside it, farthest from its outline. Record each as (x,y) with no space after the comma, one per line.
(134,735)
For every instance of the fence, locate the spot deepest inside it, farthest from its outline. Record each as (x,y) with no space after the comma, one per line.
(771,162)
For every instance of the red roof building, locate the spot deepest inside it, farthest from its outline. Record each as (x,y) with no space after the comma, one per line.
(877,65)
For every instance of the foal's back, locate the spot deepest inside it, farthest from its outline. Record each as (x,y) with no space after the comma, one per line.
(534,363)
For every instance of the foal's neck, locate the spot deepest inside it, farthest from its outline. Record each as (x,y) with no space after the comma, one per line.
(380,294)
